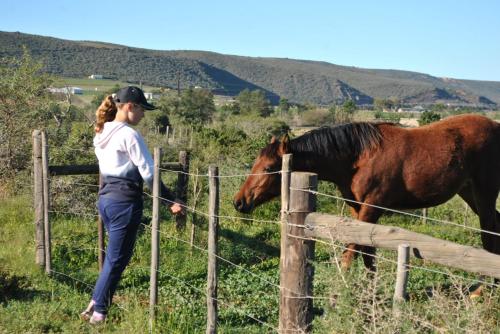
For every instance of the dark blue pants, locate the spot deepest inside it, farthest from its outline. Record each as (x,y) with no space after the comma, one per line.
(121,220)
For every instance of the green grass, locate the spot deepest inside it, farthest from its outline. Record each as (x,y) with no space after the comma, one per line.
(357,301)
(93,86)
(54,302)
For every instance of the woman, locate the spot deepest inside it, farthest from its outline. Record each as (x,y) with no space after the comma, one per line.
(124,163)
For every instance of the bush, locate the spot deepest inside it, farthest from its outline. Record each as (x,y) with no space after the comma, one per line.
(428,117)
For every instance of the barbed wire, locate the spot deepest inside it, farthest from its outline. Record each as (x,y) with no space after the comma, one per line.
(212,298)
(278,222)
(219,257)
(84,249)
(378,257)
(219,176)
(193,210)
(321,241)
(64,148)
(397,211)
(88,286)
(73,213)
(266,280)
(85,184)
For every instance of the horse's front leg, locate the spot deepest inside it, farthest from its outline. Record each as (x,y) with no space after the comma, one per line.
(370,215)
(351,250)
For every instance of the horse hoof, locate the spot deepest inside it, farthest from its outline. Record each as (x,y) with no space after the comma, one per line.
(476,293)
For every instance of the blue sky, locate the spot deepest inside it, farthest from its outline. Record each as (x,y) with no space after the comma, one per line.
(458,39)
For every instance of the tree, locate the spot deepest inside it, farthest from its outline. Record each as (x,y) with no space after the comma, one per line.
(381,104)
(428,117)
(196,106)
(349,107)
(161,121)
(283,106)
(25,104)
(344,113)
(438,107)
(253,102)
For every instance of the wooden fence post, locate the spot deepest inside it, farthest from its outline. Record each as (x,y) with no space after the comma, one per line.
(402,273)
(401,278)
(297,270)
(191,138)
(213,232)
(167,133)
(155,236)
(286,167)
(38,199)
(100,234)
(46,202)
(182,186)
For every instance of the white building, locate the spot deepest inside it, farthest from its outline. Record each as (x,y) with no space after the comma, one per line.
(96,76)
(76,90)
(66,90)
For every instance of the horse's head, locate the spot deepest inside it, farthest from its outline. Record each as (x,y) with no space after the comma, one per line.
(260,186)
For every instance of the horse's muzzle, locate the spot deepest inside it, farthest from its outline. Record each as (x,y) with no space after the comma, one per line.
(241,206)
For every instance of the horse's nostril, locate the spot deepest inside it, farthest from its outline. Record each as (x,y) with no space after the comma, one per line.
(238,204)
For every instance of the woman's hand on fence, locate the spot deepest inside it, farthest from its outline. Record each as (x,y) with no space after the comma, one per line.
(177,209)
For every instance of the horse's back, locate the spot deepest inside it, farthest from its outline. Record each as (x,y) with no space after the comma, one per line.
(468,132)
(427,165)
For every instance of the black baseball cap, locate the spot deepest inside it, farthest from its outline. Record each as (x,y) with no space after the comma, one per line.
(133,94)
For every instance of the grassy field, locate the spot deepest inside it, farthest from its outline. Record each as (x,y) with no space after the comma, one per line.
(92,87)
(357,302)
(93,84)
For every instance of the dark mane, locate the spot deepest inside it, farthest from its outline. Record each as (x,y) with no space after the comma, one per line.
(344,140)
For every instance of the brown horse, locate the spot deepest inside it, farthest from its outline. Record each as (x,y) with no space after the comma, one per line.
(388,166)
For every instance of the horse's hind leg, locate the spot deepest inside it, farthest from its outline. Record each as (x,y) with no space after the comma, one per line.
(349,254)
(482,201)
(485,207)
(489,219)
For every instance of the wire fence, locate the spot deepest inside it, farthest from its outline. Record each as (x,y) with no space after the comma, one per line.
(89,287)
(275,222)
(278,222)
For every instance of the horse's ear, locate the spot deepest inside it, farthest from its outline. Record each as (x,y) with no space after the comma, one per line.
(273,140)
(283,149)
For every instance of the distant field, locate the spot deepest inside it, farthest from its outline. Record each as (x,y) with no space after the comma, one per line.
(92,86)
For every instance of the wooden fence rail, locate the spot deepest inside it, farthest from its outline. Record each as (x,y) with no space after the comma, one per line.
(422,246)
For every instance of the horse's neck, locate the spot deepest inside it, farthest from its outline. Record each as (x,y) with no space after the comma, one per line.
(327,168)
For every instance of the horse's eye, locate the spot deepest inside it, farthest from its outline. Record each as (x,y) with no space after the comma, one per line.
(268,169)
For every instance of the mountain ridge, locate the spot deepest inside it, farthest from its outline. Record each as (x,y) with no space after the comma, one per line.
(300,81)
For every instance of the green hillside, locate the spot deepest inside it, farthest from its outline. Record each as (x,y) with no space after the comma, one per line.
(299,81)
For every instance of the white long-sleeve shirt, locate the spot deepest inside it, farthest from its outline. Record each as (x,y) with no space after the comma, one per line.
(122,152)
(124,162)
